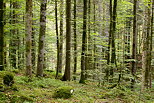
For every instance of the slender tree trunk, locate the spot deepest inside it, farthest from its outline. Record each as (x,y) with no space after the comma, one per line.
(113,32)
(134,46)
(61,37)
(110,33)
(1,35)
(33,44)
(57,35)
(66,75)
(75,41)
(109,40)
(84,36)
(41,49)
(113,56)
(94,48)
(28,37)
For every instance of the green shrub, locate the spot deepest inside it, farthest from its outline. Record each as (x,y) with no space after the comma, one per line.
(8,79)
(2,97)
(1,87)
(63,92)
(15,71)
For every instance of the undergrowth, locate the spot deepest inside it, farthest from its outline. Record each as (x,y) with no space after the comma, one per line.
(41,90)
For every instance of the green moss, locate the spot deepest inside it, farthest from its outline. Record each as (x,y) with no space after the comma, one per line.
(15,71)
(3,97)
(1,87)
(8,79)
(63,92)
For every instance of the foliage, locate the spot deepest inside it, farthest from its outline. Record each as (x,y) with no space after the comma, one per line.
(8,79)
(63,92)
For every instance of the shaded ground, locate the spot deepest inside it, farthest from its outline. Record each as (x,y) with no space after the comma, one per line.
(40,90)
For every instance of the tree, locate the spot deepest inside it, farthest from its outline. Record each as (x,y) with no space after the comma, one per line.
(66,75)
(84,36)
(1,35)
(61,36)
(146,57)
(41,49)
(151,43)
(57,35)
(113,56)
(134,46)
(110,33)
(75,40)
(28,37)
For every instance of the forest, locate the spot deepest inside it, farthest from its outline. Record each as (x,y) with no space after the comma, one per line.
(76,51)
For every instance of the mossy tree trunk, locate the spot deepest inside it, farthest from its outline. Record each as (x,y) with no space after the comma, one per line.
(28,37)
(41,49)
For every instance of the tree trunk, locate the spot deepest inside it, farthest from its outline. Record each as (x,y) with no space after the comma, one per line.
(146,60)
(1,36)
(41,49)
(134,46)
(151,42)
(57,35)
(113,56)
(75,41)
(61,37)
(28,37)
(84,36)
(34,43)
(66,75)
(94,48)
(110,34)
(113,32)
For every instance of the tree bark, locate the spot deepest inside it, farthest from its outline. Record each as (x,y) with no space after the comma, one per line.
(41,49)
(61,37)
(151,42)
(84,36)
(28,37)
(66,75)
(110,34)
(57,35)
(134,46)
(75,41)
(1,35)
(114,16)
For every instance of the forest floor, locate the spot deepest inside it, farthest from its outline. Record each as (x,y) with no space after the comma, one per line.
(41,90)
